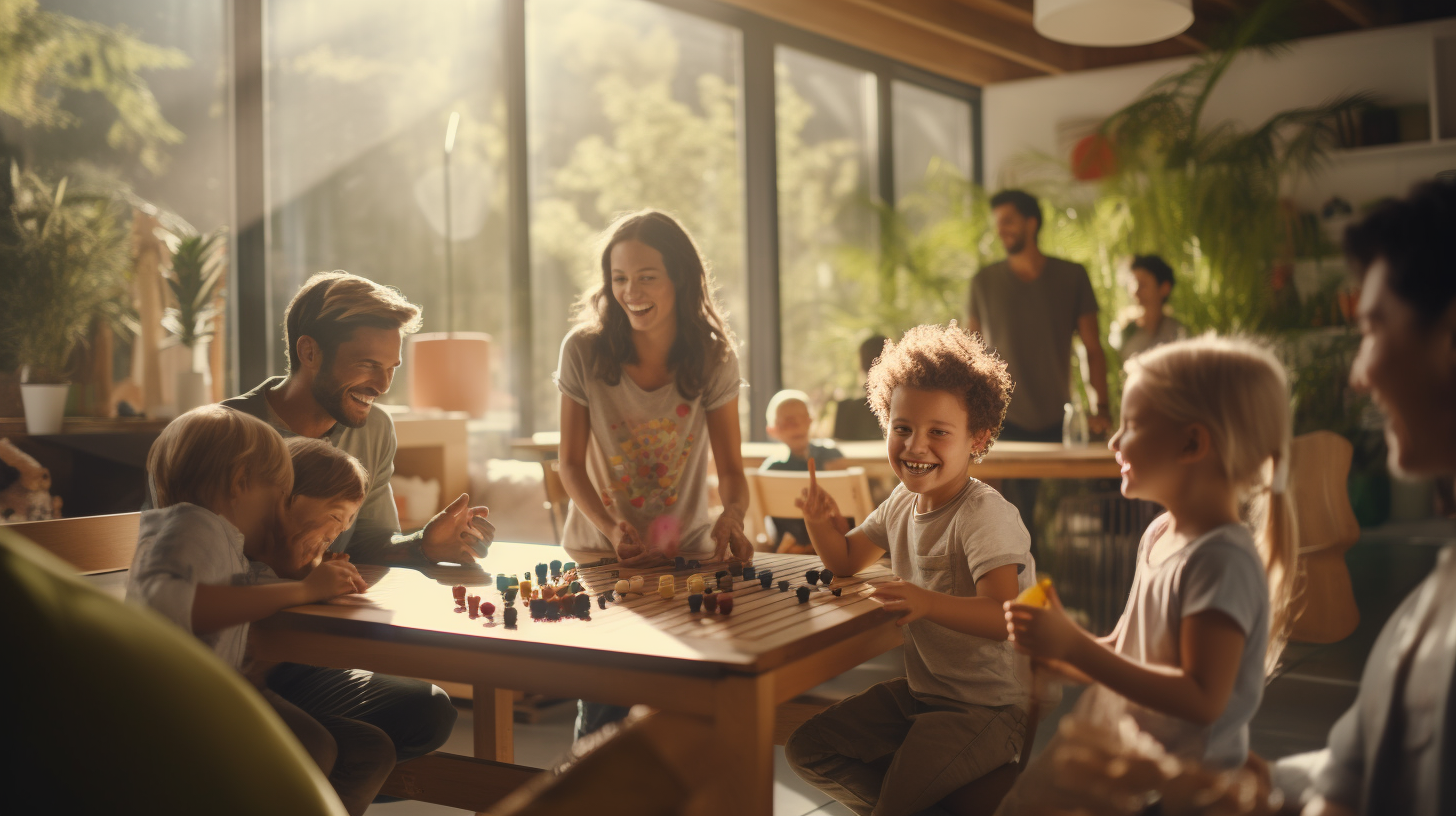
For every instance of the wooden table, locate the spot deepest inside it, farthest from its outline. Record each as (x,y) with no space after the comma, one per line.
(1006,460)
(730,671)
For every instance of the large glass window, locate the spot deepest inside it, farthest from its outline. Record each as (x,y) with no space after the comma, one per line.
(827,171)
(359,94)
(631,105)
(933,147)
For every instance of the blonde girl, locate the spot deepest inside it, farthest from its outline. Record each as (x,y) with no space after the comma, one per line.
(1205,432)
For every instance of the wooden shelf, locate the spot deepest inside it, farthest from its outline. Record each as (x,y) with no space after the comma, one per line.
(1394,149)
(15,426)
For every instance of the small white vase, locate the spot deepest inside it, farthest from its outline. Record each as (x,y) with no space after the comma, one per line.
(45,404)
(191,390)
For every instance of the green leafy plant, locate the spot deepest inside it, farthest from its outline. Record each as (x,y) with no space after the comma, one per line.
(194,277)
(64,261)
(45,54)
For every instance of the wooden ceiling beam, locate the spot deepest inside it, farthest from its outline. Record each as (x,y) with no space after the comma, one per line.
(888,35)
(1356,11)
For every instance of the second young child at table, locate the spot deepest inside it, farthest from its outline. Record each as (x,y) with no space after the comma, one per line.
(904,745)
(647,373)
(221,480)
(1205,432)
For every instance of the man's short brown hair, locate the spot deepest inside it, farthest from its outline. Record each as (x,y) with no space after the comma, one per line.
(944,358)
(331,305)
(199,455)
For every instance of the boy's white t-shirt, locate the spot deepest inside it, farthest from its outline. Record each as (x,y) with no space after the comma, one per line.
(1220,570)
(948,550)
(178,548)
(648,457)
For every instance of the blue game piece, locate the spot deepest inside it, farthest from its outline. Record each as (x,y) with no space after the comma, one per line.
(514,581)
(555,567)
(826,577)
(583,606)
(510,616)
(783,586)
(695,602)
(509,596)
(540,573)
(679,562)
(575,586)
(812,576)
(749,573)
(766,579)
(501,582)
(569,566)
(694,564)
(803,594)
(601,602)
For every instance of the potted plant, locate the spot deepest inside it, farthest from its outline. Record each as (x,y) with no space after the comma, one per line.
(63,260)
(194,277)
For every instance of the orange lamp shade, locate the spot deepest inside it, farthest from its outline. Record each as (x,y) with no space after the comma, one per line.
(450,371)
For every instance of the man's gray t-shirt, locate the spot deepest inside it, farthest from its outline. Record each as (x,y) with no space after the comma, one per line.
(373,445)
(648,457)
(179,547)
(948,550)
(1030,324)
(1222,571)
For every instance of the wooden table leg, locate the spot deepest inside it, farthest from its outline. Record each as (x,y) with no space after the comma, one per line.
(743,725)
(494,727)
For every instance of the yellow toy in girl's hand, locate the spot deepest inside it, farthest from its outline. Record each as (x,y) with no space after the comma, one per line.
(1036,594)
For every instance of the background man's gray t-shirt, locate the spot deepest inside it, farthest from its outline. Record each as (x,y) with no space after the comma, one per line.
(1223,571)
(948,550)
(648,457)
(1030,324)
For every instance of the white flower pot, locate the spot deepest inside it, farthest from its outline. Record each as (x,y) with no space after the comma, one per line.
(192,390)
(45,404)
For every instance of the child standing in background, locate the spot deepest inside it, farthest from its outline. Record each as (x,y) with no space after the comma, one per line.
(1205,432)
(220,479)
(904,745)
(647,373)
(1147,324)
(789,422)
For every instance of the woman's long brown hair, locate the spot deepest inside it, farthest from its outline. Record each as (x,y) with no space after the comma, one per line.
(703,338)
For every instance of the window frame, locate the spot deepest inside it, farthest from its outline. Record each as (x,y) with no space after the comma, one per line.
(254,334)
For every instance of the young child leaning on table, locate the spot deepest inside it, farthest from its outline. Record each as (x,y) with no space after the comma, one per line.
(222,481)
(962,552)
(1205,432)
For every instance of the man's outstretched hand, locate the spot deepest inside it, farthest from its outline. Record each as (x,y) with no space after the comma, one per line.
(458,534)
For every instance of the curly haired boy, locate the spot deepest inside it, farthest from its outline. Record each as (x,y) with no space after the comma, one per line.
(960,551)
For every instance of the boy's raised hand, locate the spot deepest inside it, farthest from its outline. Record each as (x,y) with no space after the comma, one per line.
(1043,632)
(332,578)
(816,503)
(911,601)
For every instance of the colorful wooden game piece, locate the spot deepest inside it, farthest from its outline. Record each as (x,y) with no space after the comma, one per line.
(501,582)
(766,579)
(696,584)
(720,573)
(538,608)
(567,601)
(749,573)
(826,577)
(541,573)
(679,563)
(665,587)
(601,602)
(553,612)
(487,609)
(837,591)
(783,586)
(694,564)
(514,581)
(569,566)
(710,601)
(735,568)
(510,615)
(583,606)
(725,604)
(812,576)
(473,602)
(725,583)
(576,586)
(695,602)
(527,589)
(547,592)
(636,584)
(610,594)
(458,592)
(622,587)
(509,596)
(803,593)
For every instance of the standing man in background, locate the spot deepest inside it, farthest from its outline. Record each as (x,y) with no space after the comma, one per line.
(1026,309)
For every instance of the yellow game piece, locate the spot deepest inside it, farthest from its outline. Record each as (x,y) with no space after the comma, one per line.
(696,585)
(526,587)
(1036,594)
(621,587)
(665,586)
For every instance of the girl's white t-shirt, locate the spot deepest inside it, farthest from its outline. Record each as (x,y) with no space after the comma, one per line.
(1221,570)
(648,456)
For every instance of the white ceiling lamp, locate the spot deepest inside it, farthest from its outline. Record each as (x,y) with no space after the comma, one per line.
(1109,23)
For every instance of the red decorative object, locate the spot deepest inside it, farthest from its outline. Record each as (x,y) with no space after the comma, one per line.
(1093,158)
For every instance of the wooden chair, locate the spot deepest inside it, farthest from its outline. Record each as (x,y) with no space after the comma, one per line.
(557,500)
(91,544)
(1319,465)
(772,494)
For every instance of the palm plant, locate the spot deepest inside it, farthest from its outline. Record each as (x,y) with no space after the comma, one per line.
(64,261)
(194,277)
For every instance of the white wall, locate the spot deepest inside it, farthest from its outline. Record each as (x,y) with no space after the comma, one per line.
(1394,62)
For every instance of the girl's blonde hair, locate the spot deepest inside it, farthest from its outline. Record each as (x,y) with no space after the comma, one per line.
(322,471)
(1240,393)
(200,455)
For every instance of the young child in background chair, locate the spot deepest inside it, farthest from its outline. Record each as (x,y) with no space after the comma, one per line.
(902,746)
(221,479)
(789,422)
(1146,323)
(1205,432)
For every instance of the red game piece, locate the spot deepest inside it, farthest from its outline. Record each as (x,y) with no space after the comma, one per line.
(710,602)
(548,592)
(474,602)
(725,604)
(487,608)
(459,593)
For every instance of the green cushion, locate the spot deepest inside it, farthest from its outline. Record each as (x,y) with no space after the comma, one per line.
(117,710)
